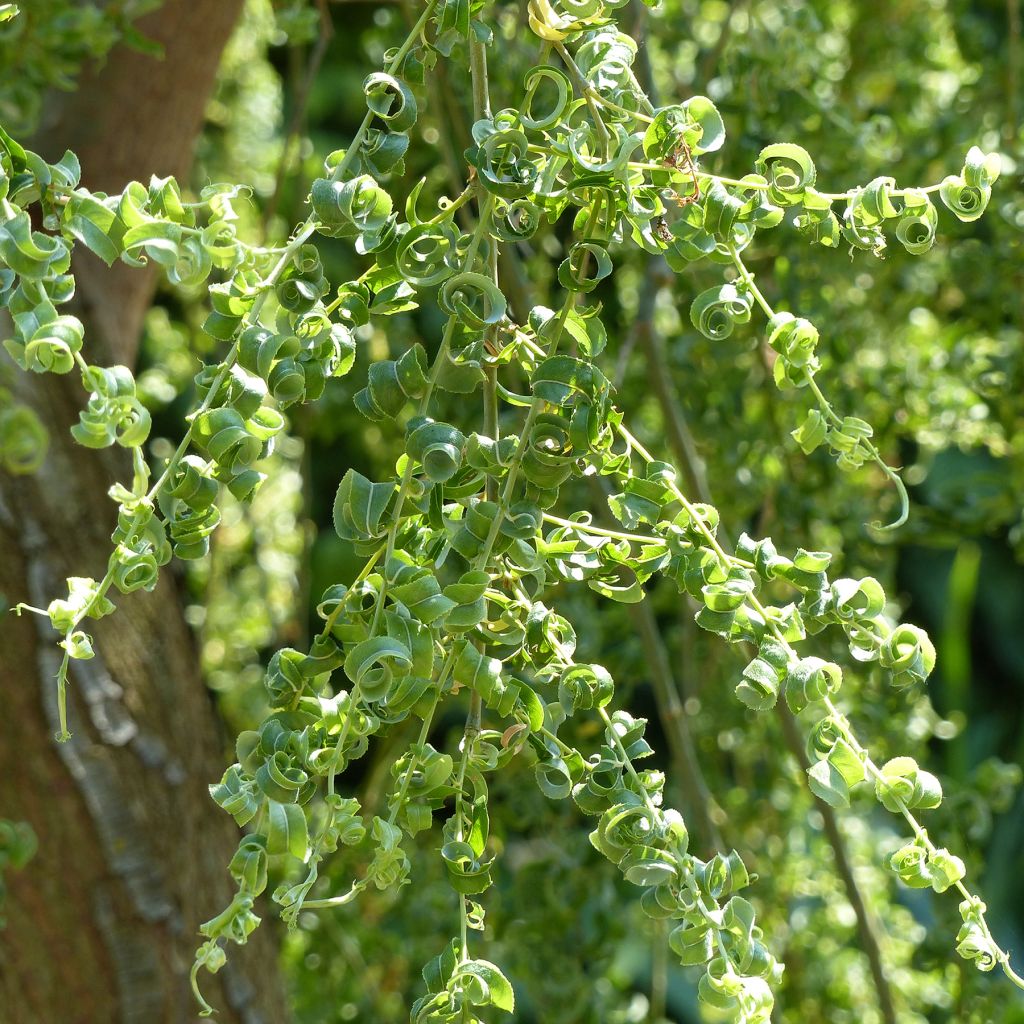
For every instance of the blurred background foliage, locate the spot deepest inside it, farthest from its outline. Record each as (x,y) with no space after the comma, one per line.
(928,349)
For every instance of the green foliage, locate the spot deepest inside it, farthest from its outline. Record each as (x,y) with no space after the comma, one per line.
(475,531)
(44,44)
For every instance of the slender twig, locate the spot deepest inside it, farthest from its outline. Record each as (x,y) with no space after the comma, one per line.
(481,109)
(672,714)
(659,375)
(588,93)
(443,122)
(659,973)
(686,769)
(866,924)
(709,64)
(300,104)
(871,769)
(471,731)
(681,442)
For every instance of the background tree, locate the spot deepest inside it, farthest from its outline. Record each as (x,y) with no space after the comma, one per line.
(130,847)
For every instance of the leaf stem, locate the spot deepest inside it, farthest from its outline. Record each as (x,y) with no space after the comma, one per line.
(600,531)
(826,406)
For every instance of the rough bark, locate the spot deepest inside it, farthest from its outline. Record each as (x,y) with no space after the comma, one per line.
(102,924)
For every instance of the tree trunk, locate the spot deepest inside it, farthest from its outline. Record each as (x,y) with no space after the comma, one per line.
(102,925)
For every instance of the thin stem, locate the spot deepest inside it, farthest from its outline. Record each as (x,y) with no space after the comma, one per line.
(421,740)
(469,735)
(403,490)
(336,901)
(139,516)
(455,204)
(600,531)
(876,457)
(867,926)
(442,352)
(760,186)
(332,618)
(557,740)
(593,94)
(481,109)
(645,99)
(482,559)
(360,136)
(588,94)
(62,700)
(304,232)
(682,857)
(659,972)
(826,406)
(300,103)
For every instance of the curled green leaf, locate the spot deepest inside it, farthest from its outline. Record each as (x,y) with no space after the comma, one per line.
(716,311)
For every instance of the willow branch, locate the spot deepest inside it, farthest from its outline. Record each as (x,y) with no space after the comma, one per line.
(681,442)
(672,714)
(659,375)
(866,926)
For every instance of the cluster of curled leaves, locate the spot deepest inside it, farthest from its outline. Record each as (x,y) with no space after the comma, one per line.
(463,547)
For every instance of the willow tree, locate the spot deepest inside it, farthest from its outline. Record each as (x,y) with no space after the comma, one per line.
(483,528)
